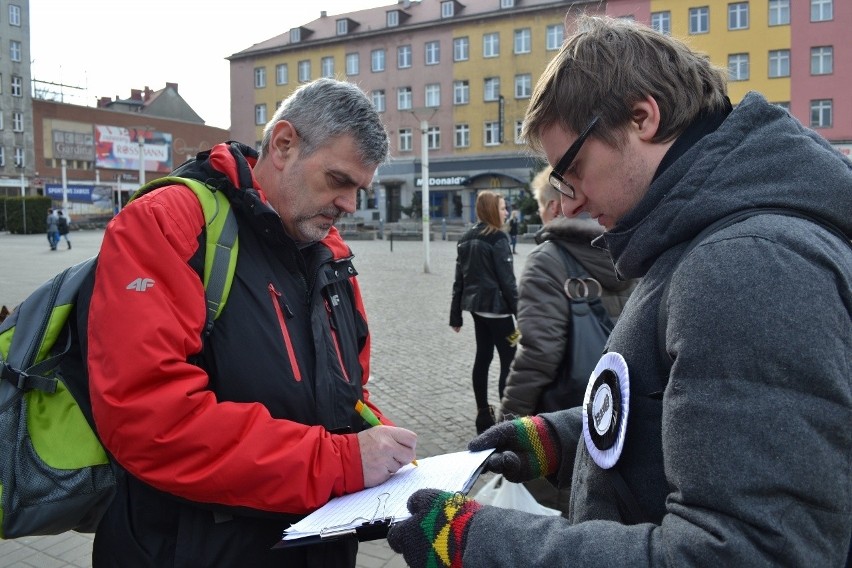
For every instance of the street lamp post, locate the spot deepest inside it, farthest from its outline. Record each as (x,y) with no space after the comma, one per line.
(64,186)
(141,137)
(424,172)
(24,200)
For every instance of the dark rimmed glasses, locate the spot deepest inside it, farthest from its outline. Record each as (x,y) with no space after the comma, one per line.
(556,180)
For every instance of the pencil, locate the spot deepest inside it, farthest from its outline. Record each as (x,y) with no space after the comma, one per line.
(369,417)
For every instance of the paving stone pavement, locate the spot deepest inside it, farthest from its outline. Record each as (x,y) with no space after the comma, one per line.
(420,368)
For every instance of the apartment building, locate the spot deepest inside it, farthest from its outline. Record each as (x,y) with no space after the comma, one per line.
(16,109)
(456,75)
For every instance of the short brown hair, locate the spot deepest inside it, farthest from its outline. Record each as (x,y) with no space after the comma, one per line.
(609,64)
(488,211)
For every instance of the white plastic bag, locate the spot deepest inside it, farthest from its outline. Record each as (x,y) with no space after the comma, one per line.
(502,493)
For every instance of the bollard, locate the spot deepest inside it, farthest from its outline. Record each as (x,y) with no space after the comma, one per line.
(443,228)
(391,240)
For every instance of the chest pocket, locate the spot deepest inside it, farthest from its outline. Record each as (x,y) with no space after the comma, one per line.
(347,328)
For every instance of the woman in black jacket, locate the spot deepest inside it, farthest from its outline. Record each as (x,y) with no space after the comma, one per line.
(485,286)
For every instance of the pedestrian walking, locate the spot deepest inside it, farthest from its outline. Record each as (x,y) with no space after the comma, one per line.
(715,430)
(514,226)
(52,229)
(62,228)
(485,286)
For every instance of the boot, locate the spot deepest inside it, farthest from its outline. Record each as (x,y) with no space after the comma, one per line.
(485,419)
(69,244)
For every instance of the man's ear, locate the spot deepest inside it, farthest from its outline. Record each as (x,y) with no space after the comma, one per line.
(645,118)
(283,142)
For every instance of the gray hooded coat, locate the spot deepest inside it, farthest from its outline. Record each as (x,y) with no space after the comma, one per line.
(741,454)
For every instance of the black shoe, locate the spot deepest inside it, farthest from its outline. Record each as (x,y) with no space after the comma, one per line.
(69,244)
(485,419)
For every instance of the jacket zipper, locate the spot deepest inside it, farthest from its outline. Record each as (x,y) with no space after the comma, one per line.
(275,295)
(335,339)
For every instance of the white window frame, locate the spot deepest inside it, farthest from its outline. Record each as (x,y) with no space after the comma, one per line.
(17,121)
(19,157)
(406,140)
(17,86)
(14,15)
(822,112)
(433,138)
(554,35)
(523,41)
(738,16)
(378,60)
(738,67)
(432,51)
(822,60)
(342,26)
(379,100)
(353,64)
(403,56)
(699,20)
(327,66)
(491,44)
(779,63)
(491,91)
(779,12)
(523,86)
(282,74)
(519,128)
(15,50)
(259,77)
(505,4)
(260,114)
(491,133)
(2,156)
(403,98)
(821,10)
(448,9)
(432,94)
(305,71)
(461,48)
(662,22)
(392,18)
(461,136)
(295,35)
(461,92)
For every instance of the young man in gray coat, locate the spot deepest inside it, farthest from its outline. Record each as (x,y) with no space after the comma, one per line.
(721,438)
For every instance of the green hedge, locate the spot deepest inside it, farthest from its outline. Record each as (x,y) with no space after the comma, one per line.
(11,214)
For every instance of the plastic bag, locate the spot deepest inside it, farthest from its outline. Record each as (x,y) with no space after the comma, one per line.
(508,495)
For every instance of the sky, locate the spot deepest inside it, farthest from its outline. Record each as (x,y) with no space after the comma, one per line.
(105,48)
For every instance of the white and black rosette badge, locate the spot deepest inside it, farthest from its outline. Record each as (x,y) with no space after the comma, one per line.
(605,410)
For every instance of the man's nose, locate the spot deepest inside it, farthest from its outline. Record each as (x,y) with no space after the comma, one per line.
(346,200)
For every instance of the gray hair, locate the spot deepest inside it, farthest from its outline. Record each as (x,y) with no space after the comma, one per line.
(324,109)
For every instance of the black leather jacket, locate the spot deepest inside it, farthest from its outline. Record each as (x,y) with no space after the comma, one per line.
(485,275)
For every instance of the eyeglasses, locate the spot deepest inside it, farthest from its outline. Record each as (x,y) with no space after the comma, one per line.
(556,180)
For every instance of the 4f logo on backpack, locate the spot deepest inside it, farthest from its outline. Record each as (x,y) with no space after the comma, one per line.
(141,284)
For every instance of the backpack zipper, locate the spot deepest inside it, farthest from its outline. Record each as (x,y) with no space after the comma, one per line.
(274,296)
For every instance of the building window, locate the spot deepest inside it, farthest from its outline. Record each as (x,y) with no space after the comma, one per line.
(448,9)
(433,52)
(822,60)
(779,12)
(492,133)
(282,74)
(260,114)
(461,92)
(779,63)
(662,22)
(2,156)
(491,45)
(379,100)
(821,10)
(738,16)
(17,86)
(699,20)
(821,113)
(15,50)
(295,35)
(519,128)
(523,41)
(462,136)
(433,95)
(19,157)
(461,49)
(327,64)
(304,71)
(492,88)
(1,121)
(405,140)
(352,64)
(523,86)
(14,15)
(738,67)
(433,138)
(259,77)
(554,36)
(403,98)
(377,60)
(403,56)
(393,18)
(342,26)
(507,4)
(18,121)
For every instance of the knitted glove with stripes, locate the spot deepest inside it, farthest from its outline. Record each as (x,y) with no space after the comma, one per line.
(436,533)
(526,448)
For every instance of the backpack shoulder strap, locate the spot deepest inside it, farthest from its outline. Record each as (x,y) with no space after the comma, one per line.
(576,270)
(220,254)
(736,217)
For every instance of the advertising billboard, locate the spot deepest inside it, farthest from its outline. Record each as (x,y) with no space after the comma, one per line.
(117,148)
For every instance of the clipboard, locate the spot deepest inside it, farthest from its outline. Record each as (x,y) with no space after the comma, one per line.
(376,525)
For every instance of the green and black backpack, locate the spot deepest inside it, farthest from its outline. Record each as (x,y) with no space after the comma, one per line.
(55,475)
